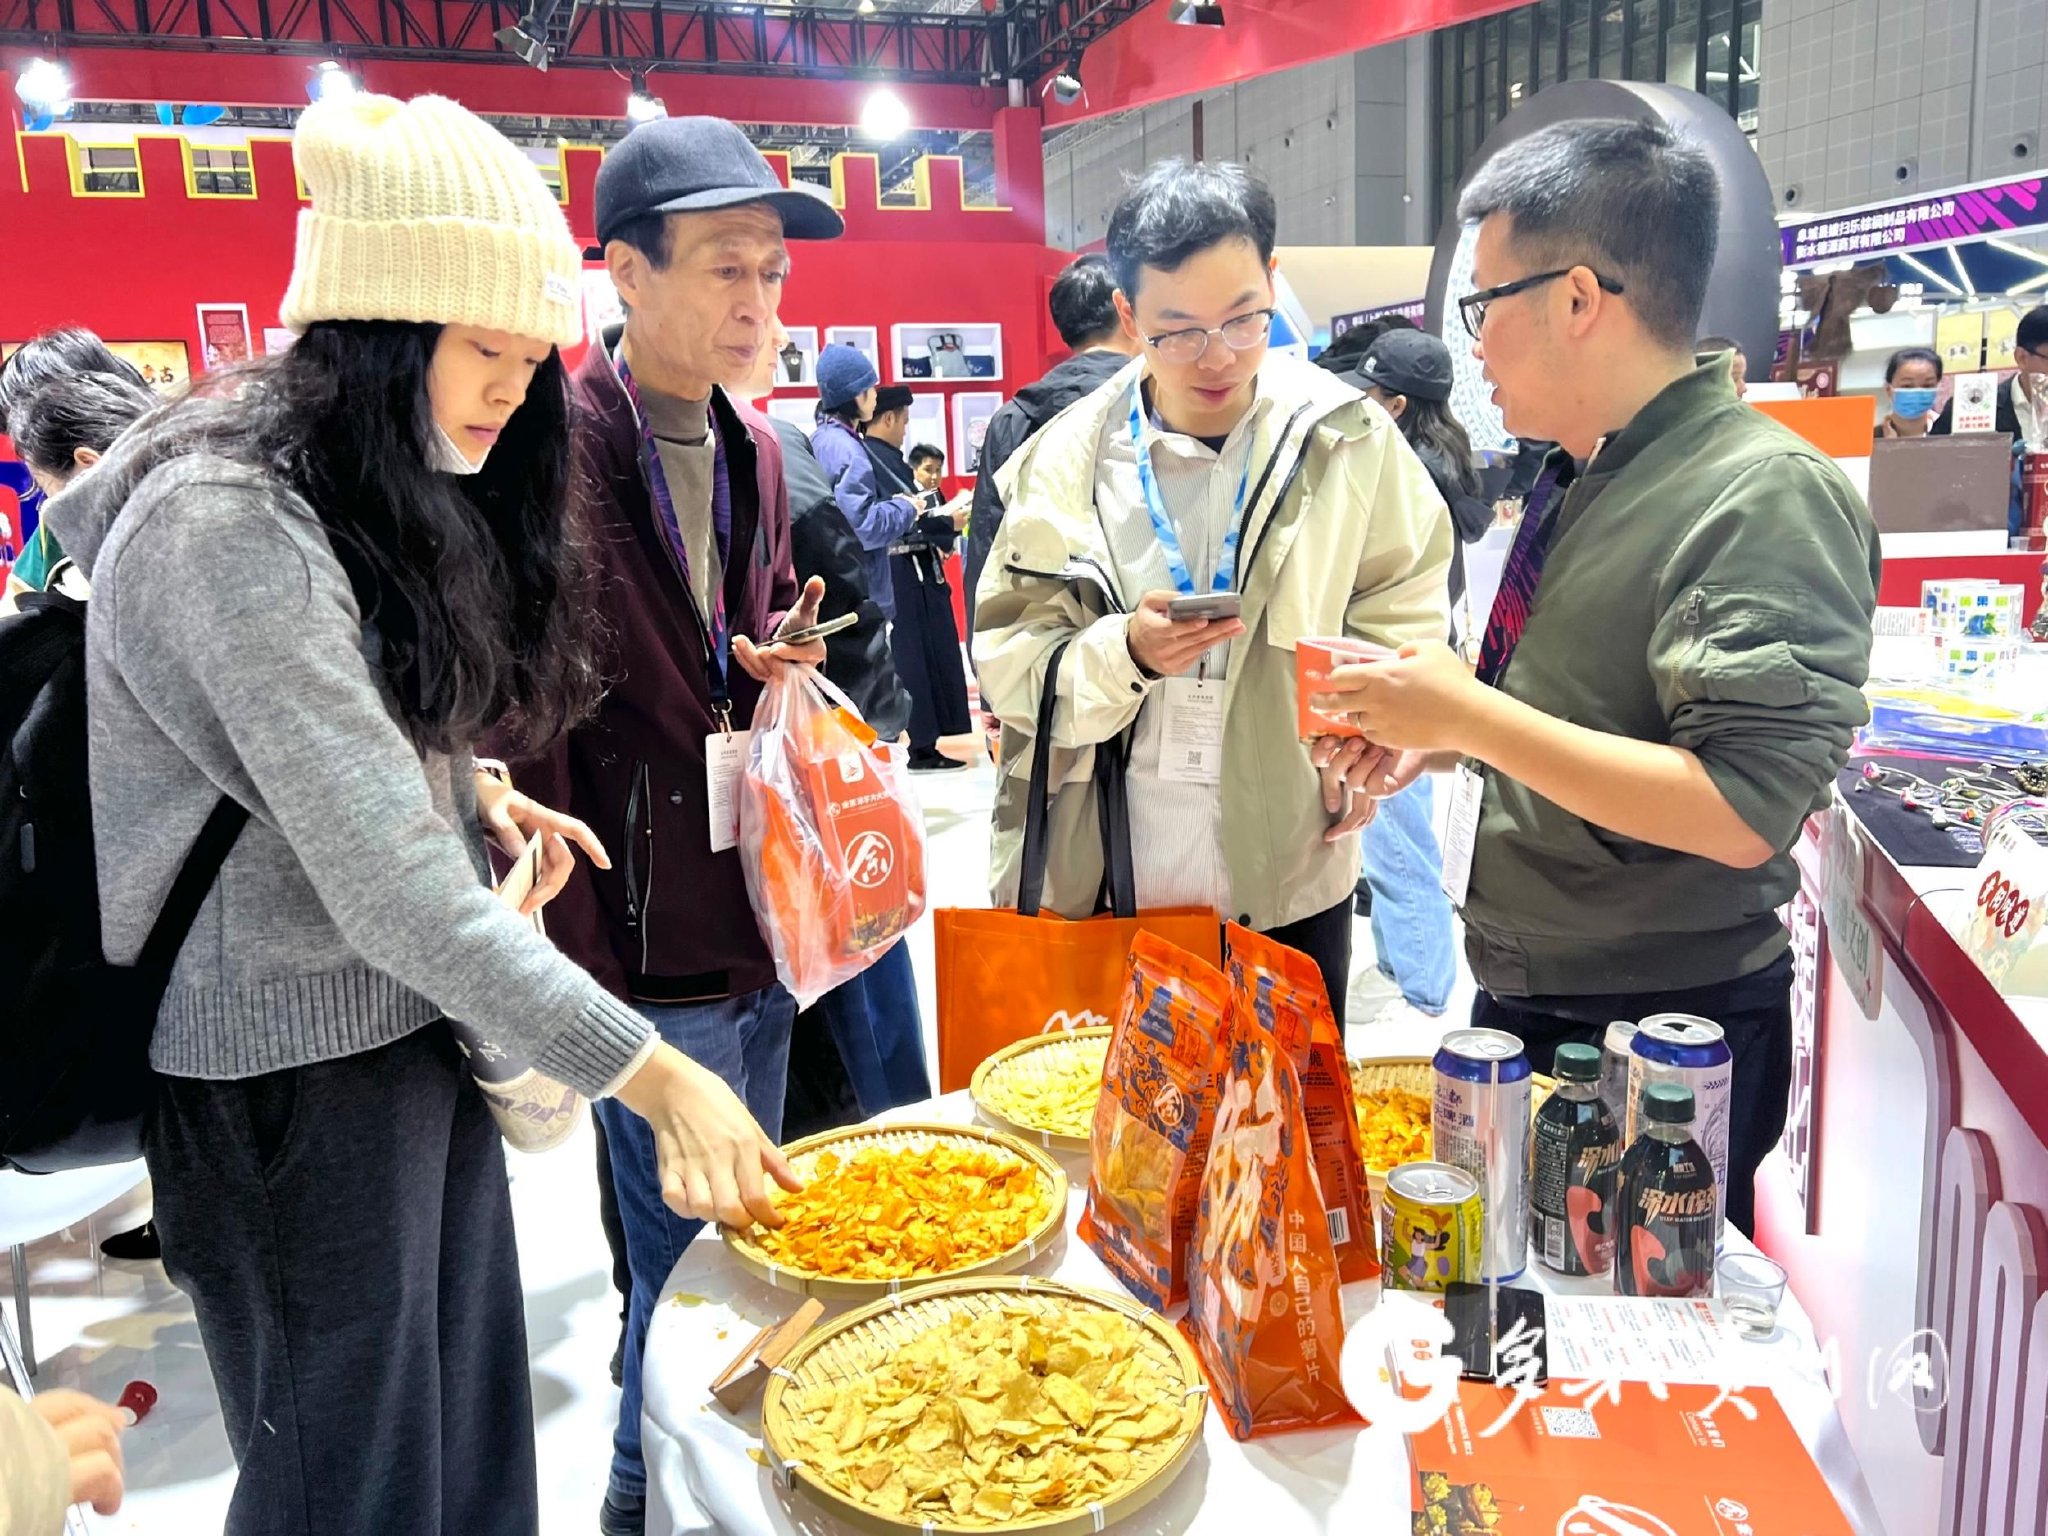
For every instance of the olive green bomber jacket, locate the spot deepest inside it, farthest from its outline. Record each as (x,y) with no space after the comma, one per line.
(1711,585)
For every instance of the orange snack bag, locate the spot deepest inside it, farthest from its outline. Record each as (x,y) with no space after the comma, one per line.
(1264,1307)
(1151,1130)
(1284,988)
(831,839)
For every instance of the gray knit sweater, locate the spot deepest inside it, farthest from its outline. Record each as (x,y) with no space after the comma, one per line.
(226,654)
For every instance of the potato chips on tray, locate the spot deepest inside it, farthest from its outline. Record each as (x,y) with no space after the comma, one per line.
(1045,1088)
(885,1207)
(986,1405)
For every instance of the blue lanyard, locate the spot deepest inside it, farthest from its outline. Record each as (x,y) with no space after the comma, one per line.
(1169,541)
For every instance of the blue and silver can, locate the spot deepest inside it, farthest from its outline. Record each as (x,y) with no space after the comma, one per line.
(1480,1123)
(1692,1052)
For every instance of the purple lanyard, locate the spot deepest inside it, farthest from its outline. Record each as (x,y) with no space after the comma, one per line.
(1524,569)
(717,641)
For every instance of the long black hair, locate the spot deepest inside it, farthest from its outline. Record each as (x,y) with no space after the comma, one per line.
(1429,424)
(474,584)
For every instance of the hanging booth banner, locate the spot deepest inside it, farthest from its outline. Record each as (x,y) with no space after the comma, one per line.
(1914,223)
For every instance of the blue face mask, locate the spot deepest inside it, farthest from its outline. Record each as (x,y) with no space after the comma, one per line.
(1911,404)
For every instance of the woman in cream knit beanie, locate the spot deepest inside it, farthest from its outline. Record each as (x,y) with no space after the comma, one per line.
(328,581)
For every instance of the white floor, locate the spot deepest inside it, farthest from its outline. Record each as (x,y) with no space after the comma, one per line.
(100,1324)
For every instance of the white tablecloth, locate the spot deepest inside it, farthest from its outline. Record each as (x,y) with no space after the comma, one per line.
(701,1477)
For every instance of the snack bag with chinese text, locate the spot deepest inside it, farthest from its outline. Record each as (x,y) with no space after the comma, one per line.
(831,838)
(1263,1302)
(1151,1130)
(1284,987)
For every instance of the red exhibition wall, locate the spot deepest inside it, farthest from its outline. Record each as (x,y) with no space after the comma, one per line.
(137,268)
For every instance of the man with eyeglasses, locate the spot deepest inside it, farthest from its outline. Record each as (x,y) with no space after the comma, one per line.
(1672,671)
(1263,492)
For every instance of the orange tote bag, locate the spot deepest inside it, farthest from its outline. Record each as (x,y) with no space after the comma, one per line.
(1004,975)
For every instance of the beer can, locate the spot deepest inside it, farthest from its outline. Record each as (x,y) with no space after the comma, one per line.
(1616,1053)
(1692,1052)
(1480,1123)
(1431,1227)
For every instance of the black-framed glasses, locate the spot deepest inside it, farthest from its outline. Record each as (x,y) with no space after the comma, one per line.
(1240,333)
(1472,307)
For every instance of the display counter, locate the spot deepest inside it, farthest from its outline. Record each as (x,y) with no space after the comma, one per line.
(1908,1201)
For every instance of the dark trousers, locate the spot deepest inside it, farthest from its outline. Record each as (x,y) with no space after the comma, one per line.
(925,645)
(1754,1010)
(345,1233)
(1325,939)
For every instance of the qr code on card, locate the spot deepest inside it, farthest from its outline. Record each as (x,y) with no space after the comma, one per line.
(1570,1424)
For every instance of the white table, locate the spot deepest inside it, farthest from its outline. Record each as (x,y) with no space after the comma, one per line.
(702,1477)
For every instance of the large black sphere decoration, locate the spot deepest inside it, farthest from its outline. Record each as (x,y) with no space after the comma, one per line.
(1742,295)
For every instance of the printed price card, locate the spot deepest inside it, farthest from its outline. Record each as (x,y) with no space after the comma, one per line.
(2007,903)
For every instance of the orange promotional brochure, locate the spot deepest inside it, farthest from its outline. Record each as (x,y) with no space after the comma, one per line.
(1573,1459)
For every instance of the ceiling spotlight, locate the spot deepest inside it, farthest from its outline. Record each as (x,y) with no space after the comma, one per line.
(1066,86)
(1198,13)
(866,7)
(44,87)
(641,105)
(527,38)
(884,116)
(331,82)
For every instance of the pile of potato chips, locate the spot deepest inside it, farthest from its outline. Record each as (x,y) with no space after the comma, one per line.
(891,1213)
(1052,1089)
(1393,1127)
(992,1417)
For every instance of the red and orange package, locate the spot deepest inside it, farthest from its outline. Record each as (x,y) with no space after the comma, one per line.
(1152,1122)
(1284,987)
(1265,1309)
(831,838)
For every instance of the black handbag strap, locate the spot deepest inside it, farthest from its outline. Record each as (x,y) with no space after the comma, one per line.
(1112,809)
(188,892)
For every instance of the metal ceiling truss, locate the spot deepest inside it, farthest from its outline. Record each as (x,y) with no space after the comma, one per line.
(687,35)
(1048,35)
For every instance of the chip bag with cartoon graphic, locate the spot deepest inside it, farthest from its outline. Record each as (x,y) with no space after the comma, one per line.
(1151,1129)
(1285,988)
(1264,1307)
(831,837)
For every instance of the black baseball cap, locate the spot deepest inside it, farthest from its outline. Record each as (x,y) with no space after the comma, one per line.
(1411,363)
(695,165)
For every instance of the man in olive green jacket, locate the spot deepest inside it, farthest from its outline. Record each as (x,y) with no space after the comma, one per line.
(1210,470)
(1676,658)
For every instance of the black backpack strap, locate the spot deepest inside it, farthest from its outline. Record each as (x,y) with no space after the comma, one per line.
(1113,814)
(1031,885)
(188,892)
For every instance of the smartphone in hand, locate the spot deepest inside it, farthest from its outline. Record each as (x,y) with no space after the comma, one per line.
(1205,605)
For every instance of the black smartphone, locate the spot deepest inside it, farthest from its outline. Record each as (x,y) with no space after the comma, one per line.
(845,621)
(1205,605)
(1493,1337)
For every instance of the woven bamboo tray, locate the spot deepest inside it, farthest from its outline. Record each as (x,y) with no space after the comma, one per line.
(1417,1074)
(803,1158)
(854,1344)
(1039,1056)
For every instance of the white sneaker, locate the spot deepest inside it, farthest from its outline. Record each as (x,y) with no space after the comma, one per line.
(1399,1028)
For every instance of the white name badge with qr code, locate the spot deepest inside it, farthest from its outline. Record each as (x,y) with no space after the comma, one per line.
(725,759)
(1191,744)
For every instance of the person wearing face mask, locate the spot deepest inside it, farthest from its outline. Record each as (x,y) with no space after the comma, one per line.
(1208,468)
(1912,380)
(315,583)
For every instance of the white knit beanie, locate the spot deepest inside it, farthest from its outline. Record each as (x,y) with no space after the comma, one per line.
(423,211)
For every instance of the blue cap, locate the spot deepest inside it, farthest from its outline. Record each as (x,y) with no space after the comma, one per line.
(843,374)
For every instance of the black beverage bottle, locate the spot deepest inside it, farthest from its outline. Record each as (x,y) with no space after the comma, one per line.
(1574,1165)
(1665,1245)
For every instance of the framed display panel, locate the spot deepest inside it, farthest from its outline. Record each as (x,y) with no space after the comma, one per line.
(864,339)
(224,333)
(797,367)
(928,425)
(800,411)
(972,410)
(950,349)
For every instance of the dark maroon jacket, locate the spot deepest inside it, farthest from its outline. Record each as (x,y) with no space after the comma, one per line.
(670,921)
